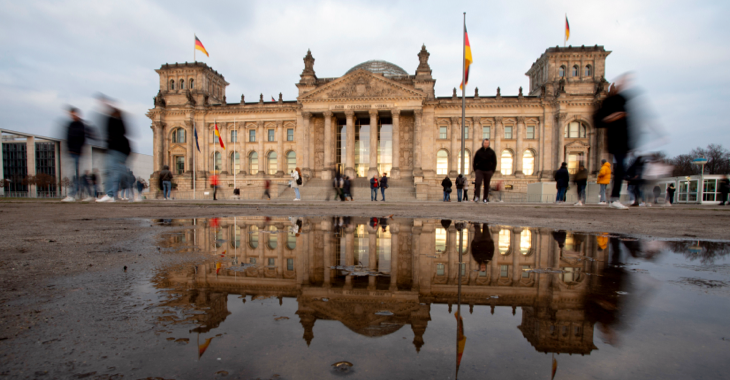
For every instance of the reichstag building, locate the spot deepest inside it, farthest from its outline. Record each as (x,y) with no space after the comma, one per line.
(378,118)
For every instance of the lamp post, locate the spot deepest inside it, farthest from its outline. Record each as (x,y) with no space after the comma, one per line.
(701,161)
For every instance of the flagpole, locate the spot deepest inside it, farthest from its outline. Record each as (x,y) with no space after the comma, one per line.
(565,37)
(463,99)
(195,132)
(234,155)
(194,47)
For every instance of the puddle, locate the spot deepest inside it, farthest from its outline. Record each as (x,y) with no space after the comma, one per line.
(419,298)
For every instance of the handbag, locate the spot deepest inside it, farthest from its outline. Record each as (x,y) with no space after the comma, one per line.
(448,190)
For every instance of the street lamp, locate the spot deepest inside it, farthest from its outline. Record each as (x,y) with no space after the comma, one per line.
(701,161)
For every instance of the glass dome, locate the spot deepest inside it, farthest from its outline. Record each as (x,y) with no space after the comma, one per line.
(379,67)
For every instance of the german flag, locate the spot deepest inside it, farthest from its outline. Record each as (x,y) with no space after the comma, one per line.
(467,58)
(199,46)
(567,28)
(203,347)
(218,134)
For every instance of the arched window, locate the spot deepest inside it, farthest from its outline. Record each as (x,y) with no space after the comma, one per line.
(442,162)
(575,129)
(178,136)
(575,71)
(464,241)
(291,161)
(506,162)
(182,84)
(236,232)
(172,84)
(273,237)
(253,237)
(440,236)
(272,163)
(504,241)
(466,163)
(235,162)
(253,163)
(218,238)
(588,71)
(217,157)
(561,72)
(192,84)
(528,163)
(525,241)
(291,240)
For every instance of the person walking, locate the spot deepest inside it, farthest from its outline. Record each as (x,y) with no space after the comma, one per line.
(562,179)
(214,185)
(296,176)
(117,152)
(166,181)
(485,163)
(634,175)
(76,135)
(374,188)
(613,117)
(581,180)
(347,188)
(140,188)
(446,184)
(460,182)
(95,182)
(267,187)
(724,187)
(670,193)
(86,182)
(604,178)
(383,186)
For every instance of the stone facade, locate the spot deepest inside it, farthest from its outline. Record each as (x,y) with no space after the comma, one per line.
(327,127)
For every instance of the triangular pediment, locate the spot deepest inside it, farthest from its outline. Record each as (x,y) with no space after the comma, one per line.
(577,144)
(362,84)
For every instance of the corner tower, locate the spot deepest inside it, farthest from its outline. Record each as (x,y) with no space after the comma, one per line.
(571,70)
(190,83)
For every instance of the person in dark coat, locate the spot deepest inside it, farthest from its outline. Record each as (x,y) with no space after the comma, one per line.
(460,184)
(166,181)
(581,180)
(482,246)
(670,193)
(76,135)
(635,180)
(562,179)
(383,185)
(724,187)
(485,163)
(117,152)
(446,184)
(347,188)
(374,188)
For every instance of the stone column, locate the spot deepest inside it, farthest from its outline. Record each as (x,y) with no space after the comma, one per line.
(306,137)
(395,170)
(590,160)
(156,151)
(417,133)
(350,147)
(560,120)
(372,256)
(516,255)
(349,253)
(455,147)
(538,154)
(164,144)
(328,153)
(280,154)
(498,142)
(394,229)
(373,171)
(519,153)
(30,162)
(260,140)
(327,238)
(497,256)
(476,139)
(189,146)
(452,253)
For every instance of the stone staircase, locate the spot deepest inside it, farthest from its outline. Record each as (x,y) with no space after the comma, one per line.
(320,189)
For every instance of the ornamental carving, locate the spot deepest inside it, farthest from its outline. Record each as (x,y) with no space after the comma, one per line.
(362,87)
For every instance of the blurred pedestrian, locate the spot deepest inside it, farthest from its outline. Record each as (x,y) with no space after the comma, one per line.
(485,163)
(383,185)
(374,188)
(670,193)
(76,134)
(86,183)
(95,182)
(446,184)
(214,185)
(581,180)
(562,179)
(460,182)
(296,176)
(612,115)
(166,181)
(634,175)
(117,152)
(482,246)
(140,188)
(267,187)
(347,188)
(604,178)
(724,187)
(496,191)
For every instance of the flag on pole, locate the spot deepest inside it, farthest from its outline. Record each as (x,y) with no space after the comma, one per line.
(460,339)
(467,58)
(272,99)
(199,46)
(203,347)
(567,28)
(195,132)
(218,134)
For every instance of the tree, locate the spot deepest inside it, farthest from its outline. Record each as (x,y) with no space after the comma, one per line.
(718,161)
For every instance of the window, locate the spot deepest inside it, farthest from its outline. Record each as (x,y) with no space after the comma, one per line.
(525,241)
(182,84)
(234,136)
(570,274)
(440,269)
(528,163)
(575,129)
(440,236)
(561,72)
(178,136)
(466,132)
(179,164)
(466,163)
(251,135)
(504,271)
(290,134)
(252,260)
(507,132)
(506,162)
(217,162)
(525,271)
(442,133)
(192,84)
(588,71)
(575,71)
(272,262)
(253,163)
(463,269)
(442,162)
(253,239)
(273,238)
(235,162)
(291,240)
(291,161)
(271,134)
(530,132)
(172,84)
(574,159)
(486,132)
(290,264)
(504,241)
(272,163)
(236,237)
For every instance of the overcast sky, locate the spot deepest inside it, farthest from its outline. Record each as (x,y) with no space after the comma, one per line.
(63,52)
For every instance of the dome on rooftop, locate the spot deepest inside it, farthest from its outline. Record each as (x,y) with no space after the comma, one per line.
(379,67)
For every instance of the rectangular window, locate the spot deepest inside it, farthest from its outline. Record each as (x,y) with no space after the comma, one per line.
(272,262)
(466,132)
(530,132)
(439,269)
(234,136)
(503,270)
(289,264)
(179,164)
(252,260)
(508,132)
(251,135)
(290,134)
(463,269)
(271,134)
(486,132)
(525,269)
(442,133)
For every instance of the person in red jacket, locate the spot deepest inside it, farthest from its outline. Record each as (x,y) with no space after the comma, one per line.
(214,185)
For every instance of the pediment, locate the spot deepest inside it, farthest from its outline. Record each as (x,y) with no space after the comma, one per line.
(362,84)
(577,145)
(178,148)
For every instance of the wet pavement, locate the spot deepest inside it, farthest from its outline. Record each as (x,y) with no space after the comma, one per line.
(327,297)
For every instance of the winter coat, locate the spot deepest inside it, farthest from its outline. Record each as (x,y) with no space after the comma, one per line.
(295,176)
(617,132)
(482,247)
(581,176)
(460,182)
(373,183)
(76,137)
(724,185)
(562,177)
(485,160)
(446,183)
(604,176)
(116,138)
(384,182)
(346,187)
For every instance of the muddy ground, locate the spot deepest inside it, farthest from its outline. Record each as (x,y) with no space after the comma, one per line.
(62,283)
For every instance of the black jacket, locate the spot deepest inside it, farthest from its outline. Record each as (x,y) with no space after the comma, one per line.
(460,182)
(635,171)
(617,132)
(76,137)
(724,185)
(165,175)
(384,182)
(346,186)
(446,183)
(485,160)
(482,247)
(116,138)
(562,177)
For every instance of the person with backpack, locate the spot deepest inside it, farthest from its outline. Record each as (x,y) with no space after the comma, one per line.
(383,185)
(446,184)
(374,184)
(581,180)
(296,175)
(166,182)
(460,183)
(347,188)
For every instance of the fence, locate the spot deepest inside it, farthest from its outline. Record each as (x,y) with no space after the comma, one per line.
(28,194)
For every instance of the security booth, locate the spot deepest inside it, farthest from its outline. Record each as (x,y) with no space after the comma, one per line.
(688,189)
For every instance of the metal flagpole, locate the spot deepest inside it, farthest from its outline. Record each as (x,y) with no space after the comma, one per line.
(565,39)
(463,100)
(195,47)
(195,133)
(233,166)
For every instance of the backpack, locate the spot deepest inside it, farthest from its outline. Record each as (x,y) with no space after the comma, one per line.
(299,180)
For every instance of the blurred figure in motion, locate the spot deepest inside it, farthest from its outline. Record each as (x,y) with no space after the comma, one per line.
(166,182)
(482,246)
(347,189)
(140,188)
(496,191)
(636,181)
(117,151)
(724,186)
(604,178)
(670,193)
(267,187)
(581,180)
(76,135)
(95,182)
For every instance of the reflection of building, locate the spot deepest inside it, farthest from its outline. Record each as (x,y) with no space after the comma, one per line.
(420,266)
(378,118)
